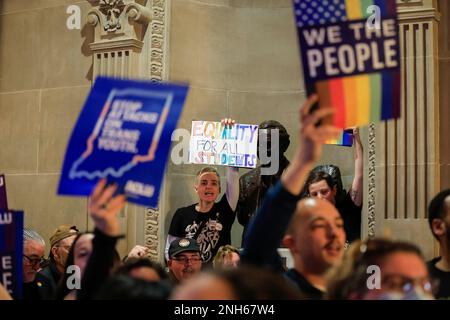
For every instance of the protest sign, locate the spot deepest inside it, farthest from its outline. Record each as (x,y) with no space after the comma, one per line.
(11,250)
(351,57)
(3,199)
(123,134)
(216,144)
(345,139)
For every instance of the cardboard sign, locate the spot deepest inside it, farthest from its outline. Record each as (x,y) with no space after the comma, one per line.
(215,144)
(3,198)
(123,134)
(351,57)
(11,250)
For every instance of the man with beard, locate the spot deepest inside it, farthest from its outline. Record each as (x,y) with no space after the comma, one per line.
(184,259)
(439,220)
(312,228)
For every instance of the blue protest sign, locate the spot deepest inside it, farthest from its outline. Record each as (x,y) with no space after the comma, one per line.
(3,199)
(11,250)
(123,134)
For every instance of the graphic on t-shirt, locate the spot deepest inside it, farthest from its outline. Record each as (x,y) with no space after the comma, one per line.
(191,230)
(208,237)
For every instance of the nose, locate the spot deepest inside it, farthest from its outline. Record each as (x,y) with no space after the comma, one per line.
(332,231)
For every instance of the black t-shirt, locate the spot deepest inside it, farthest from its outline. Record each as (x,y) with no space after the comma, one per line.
(351,214)
(307,290)
(212,229)
(442,276)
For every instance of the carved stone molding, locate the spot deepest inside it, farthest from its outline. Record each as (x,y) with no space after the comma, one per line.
(111,9)
(119,32)
(158,38)
(118,19)
(152,226)
(372,186)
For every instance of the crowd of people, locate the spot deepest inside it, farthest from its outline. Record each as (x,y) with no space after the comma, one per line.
(302,208)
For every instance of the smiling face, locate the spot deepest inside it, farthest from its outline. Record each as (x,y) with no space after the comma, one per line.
(316,235)
(207,186)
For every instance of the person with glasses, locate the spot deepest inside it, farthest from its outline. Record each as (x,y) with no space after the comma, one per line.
(184,259)
(381,269)
(60,243)
(33,258)
(439,220)
(311,228)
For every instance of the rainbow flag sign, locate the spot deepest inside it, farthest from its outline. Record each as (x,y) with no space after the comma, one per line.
(345,139)
(351,57)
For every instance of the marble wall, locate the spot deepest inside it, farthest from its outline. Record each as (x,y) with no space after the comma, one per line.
(44,78)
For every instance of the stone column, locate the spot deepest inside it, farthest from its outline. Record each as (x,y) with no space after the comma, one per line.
(125,33)
(403,168)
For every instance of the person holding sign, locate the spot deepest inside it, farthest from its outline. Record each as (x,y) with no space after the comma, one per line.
(207,221)
(311,228)
(321,183)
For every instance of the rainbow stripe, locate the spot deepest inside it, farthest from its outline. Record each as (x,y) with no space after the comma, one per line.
(344,139)
(365,98)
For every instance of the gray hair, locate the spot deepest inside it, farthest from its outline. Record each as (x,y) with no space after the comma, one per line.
(32,235)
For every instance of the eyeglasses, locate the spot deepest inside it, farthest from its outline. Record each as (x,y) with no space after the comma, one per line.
(403,284)
(185,260)
(371,251)
(35,261)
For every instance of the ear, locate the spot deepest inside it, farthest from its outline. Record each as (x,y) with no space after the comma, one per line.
(54,251)
(289,242)
(169,263)
(438,227)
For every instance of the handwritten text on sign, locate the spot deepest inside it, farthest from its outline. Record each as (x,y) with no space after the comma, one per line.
(216,144)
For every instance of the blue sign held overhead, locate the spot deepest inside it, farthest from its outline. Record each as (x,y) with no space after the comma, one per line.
(123,134)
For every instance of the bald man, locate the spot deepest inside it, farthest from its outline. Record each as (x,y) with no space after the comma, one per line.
(312,228)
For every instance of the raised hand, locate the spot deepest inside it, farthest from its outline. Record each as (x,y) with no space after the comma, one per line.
(138,251)
(103,208)
(228,122)
(312,136)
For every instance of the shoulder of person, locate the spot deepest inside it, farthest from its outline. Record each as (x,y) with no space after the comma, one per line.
(188,208)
